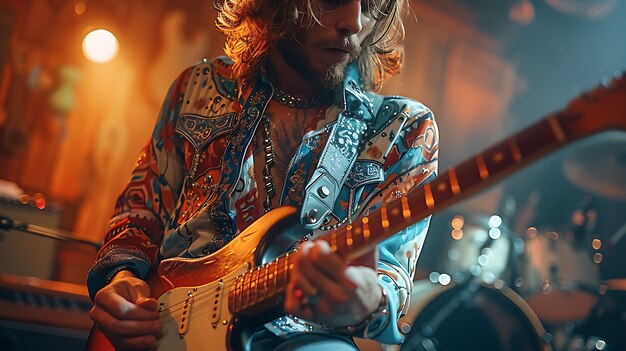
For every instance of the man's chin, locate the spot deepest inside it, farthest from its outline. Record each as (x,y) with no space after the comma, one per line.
(332,76)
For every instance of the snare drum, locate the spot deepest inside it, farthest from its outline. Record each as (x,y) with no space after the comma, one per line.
(485,319)
(558,279)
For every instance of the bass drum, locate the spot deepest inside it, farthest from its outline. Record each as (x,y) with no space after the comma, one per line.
(456,318)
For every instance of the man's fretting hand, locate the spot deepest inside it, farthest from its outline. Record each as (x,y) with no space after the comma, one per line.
(325,289)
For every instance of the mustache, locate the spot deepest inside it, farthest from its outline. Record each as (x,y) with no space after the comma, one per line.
(345,44)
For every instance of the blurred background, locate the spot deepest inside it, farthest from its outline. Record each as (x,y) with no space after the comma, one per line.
(81,82)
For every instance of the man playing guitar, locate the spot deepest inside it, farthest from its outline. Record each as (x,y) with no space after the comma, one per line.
(289,118)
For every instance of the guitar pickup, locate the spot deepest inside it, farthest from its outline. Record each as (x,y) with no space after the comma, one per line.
(183,324)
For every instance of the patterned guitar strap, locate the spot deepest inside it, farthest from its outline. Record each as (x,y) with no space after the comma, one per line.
(339,154)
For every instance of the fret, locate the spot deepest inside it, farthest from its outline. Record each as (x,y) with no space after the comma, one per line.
(537,139)
(366,228)
(454,182)
(514,148)
(428,196)
(349,240)
(256,283)
(556,128)
(246,288)
(498,159)
(266,275)
(239,293)
(232,296)
(290,261)
(286,268)
(406,211)
(482,167)
(276,274)
(333,242)
(417,199)
(468,174)
(384,221)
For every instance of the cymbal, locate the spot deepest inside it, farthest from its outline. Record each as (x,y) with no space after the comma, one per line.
(599,168)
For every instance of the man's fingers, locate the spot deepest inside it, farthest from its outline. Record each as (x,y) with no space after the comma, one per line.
(136,289)
(121,308)
(148,303)
(327,287)
(112,325)
(329,263)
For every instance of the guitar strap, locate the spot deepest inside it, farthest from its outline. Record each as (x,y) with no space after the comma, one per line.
(340,152)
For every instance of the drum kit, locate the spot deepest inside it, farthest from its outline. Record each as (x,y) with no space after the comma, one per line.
(540,290)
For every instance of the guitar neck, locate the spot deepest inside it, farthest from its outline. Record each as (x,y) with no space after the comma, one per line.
(598,110)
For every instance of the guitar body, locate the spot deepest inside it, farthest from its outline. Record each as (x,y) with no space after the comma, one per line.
(193,293)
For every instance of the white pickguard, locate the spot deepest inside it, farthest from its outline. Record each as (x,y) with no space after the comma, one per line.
(197,318)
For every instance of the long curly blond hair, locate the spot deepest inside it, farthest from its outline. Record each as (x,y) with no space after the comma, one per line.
(254,27)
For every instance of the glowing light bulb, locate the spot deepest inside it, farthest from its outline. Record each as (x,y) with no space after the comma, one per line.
(100,46)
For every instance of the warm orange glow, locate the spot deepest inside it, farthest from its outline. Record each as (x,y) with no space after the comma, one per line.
(457,222)
(531,232)
(597,258)
(100,46)
(80,7)
(596,244)
(457,234)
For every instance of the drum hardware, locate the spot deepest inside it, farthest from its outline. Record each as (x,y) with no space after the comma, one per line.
(7,223)
(478,292)
(558,272)
(558,279)
(424,338)
(471,316)
(604,328)
(588,167)
(482,247)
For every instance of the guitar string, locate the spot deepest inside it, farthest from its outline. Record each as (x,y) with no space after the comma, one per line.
(198,301)
(200,296)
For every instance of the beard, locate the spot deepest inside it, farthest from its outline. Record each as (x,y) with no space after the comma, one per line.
(302,60)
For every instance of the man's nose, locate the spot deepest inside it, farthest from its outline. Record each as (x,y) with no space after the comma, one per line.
(349,20)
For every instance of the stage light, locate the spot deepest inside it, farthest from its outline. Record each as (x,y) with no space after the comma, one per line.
(434,277)
(494,233)
(457,222)
(596,244)
(457,234)
(444,279)
(597,258)
(100,46)
(495,221)
(453,254)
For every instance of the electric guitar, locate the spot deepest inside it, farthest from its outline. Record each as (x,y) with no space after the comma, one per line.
(216,302)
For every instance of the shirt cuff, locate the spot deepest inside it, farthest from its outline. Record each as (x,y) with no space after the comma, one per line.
(391,334)
(123,259)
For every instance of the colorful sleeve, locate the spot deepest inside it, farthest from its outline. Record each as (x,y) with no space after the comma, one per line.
(145,206)
(410,143)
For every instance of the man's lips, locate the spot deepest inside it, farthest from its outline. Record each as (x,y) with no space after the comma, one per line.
(337,52)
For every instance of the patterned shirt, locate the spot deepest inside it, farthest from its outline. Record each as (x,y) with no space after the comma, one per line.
(193,188)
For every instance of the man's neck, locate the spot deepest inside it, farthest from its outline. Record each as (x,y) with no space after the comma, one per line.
(286,78)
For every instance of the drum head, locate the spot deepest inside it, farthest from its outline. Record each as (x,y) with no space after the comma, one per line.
(485,319)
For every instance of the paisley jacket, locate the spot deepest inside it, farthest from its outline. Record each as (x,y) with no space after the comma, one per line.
(193,189)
